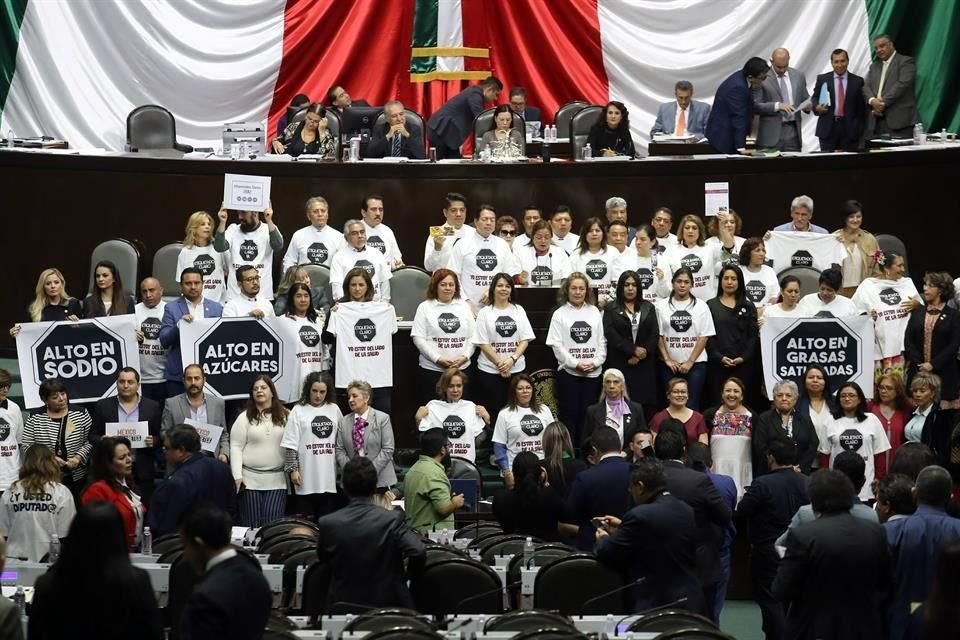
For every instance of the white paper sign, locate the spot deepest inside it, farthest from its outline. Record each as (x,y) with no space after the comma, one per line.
(716,197)
(209,434)
(135,432)
(246,193)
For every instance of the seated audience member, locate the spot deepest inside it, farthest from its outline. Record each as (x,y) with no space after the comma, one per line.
(783,422)
(398,138)
(316,298)
(366,432)
(670,573)
(232,600)
(316,243)
(894,498)
(840,121)
(789,300)
(248,302)
(935,355)
(191,304)
(451,124)
(310,136)
(801,214)
(731,115)
(111,480)
(836,568)
(298,102)
(11,623)
(365,547)
(479,256)
(614,410)
(541,262)
(561,223)
(94,568)
(695,428)
(520,425)
(109,298)
(610,136)
(64,429)
(600,490)
(860,246)
(198,253)
(449,411)
(339,99)
(442,238)
(502,140)
(379,235)
(52,302)
(518,103)
(558,460)
(506,228)
(249,242)
(531,507)
(427,499)
(196,480)
(683,116)
(826,302)
(36,507)
(202,408)
(358,253)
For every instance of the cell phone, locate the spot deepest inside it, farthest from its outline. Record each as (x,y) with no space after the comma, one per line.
(597,523)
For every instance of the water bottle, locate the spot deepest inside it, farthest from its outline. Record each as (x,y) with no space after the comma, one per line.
(354,149)
(943,135)
(147,545)
(918,137)
(20,601)
(610,626)
(10,139)
(553,133)
(528,551)
(54,554)
(587,152)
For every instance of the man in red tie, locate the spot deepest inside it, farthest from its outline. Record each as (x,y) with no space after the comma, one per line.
(683,116)
(838,103)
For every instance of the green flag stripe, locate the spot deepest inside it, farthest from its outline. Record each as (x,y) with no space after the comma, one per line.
(11,14)
(426,14)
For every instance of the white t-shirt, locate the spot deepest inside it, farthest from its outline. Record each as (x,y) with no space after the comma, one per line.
(819,251)
(576,335)
(733,258)
(762,286)
(777,311)
(364,333)
(153,357)
(665,242)
(368,258)
(477,259)
(241,306)
(646,267)
(312,433)
(886,297)
(11,429)
(382,238)
(521,429)
(867,438)
(546,270)
(310,245)
(702,261)
(442,330)
(433,259)
(598,267)
(212,264)
(254,249)
(460,422)
(568,242)
(682,324)
(311,352)
(30,520)
(811,306)
(502,329)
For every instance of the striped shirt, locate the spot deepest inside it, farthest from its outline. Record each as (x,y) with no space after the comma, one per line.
(42,429)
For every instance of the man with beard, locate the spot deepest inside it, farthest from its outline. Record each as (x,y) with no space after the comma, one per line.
(248,303)
(380,235)
(190,306)
(250,242)
(196,406)
(427,501)
(153,357)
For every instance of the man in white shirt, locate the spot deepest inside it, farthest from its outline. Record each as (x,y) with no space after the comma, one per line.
(481,256)
(249,302)
(249,242)
(616,208)
(436,251)
(617,235)
(801,213)
(153,357)
(317,243)
(683,116)
(531,216)
(662,223)
(560,223)
(357,253)
(379,235)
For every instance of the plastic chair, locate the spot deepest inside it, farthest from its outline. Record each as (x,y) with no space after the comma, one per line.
(319,280)
(286,545)
(477,529)
(404,633)
(552,587)
(550,633)
(580,125)
(184,576)
(695,634)
(387,619)
(316,585)
(303,557)
(169,557)
(561,119)
(152,127)
(808,276)
(165,267)
(528,620)
(408,288)
(461,468)
(457,586)
(484,122)
(506,547)
(438,553)
(671,620)
(281,527)
(125,255)
(166,543)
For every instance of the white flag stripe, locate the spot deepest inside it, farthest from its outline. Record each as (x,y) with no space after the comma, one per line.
(450,33)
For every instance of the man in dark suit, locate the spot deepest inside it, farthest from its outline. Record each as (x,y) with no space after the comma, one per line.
(768,505)
(732,113)
(129,406)
(655,540)
(835,569)
(398,138)
(839,122)
(518,104)
(339,99)
(232,601)
(452,123)
(601,490)
(197,480)
(915,542)
(711,512)
(889,91)
(365,546)
(191,304)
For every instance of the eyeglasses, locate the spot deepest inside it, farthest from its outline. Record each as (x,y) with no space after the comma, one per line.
(507,232)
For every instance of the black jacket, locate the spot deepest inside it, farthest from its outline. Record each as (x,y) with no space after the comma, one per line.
(945,343)
(410,147)
(107,410)
(770,502)
(641,377)
(199,480)
(768,427)
(232,601)
(597,417)
(601,490)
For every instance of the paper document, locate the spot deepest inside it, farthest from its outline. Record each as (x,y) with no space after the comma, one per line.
(135,432)
(716,198)
(246,193)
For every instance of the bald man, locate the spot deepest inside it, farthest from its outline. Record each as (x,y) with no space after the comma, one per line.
(776,100)
(153,357)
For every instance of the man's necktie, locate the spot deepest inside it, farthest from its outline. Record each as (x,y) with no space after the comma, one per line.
(682,122)
(841,95)
(784,98)
(395,152)
(883,78)
(359,428)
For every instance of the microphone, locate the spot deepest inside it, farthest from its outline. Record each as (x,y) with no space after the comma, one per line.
(459,624)
(484,594)
(611,592)
(352,605)
(669,605)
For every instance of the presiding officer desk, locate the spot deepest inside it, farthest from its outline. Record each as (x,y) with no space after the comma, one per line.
(59,205)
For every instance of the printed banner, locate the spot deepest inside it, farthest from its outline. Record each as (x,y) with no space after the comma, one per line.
(210,434)
(135,432)
(842,346)
(234,351)
(86,355)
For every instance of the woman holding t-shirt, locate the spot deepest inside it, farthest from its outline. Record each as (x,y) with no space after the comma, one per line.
(462,420)
(519,426)
(311,354)
(576,336)
(701,259)
(198,252)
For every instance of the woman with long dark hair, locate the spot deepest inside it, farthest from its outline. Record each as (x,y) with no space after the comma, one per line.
(816,399)
(643,256)
(762,285)
(593,257)
(109,298)
(610,136)
(312,354)
(520,425)
(111,480)
(731,350)
(633,333)
(311,135)
(530,507)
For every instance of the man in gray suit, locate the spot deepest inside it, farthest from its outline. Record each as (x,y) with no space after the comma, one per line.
(776,100)
(195,405)
(683,115)
(889,92)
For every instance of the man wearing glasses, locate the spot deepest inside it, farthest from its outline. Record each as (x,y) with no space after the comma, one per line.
(249,302)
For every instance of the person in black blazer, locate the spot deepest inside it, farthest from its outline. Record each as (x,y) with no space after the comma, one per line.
(670,571)
(518,104)
(945,341)
(784,422)
(937,424)
(636,356)
(711,513)
(453,122)
(232,601)
(836,568)
(365,546)
(108,410)
(614,408)
(411,135)
(840,131)
(530,507)
(601,490)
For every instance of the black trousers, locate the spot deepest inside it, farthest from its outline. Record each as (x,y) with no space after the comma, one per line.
(842,136)
(764,562)
(574,395)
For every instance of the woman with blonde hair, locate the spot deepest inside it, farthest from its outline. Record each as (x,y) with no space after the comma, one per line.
(702,258)
(198,252)
(52,302)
